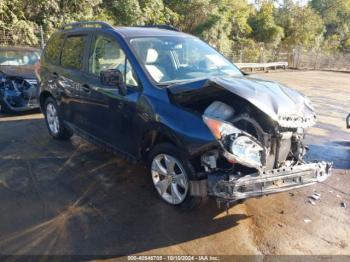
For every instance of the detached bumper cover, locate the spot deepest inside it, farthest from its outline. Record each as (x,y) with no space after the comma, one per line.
(273,181)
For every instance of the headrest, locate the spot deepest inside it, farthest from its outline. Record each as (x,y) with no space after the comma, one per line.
(152,56)
(111,51)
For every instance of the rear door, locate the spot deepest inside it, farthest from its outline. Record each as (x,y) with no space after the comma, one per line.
(70,77)
(109,115)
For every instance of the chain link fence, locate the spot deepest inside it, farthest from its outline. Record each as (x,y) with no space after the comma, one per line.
(31,37)
(297,58)
(319,61)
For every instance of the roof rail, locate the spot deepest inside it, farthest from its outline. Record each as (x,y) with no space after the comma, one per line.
(86,24)
(167,27)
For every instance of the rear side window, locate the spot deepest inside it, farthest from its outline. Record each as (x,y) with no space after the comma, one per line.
(73,52)
(53,48)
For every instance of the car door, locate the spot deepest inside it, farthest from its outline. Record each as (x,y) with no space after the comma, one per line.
(69,77)
(109,114)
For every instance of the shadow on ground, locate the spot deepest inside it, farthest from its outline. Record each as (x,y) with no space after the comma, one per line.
(73,198)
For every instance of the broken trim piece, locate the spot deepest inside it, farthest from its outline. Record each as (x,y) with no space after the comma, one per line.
(273,181)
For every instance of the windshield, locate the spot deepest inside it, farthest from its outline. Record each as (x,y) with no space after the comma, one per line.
(171,59)
(18,57)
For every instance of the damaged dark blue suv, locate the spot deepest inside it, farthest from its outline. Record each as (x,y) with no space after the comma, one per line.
(166,97)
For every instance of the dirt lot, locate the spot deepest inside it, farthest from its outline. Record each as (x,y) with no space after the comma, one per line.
(74,198)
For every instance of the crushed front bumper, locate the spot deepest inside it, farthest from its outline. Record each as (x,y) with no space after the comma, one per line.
(231,188)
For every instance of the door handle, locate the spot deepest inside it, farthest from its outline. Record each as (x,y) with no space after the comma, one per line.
(86,88)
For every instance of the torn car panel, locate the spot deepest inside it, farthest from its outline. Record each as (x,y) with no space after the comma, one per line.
(260,127)
(286,106)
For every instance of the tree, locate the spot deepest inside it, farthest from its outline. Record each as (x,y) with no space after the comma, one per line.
(124,12)
(264,28)
(232,26)
(336,17)
(302,25)
(15,27)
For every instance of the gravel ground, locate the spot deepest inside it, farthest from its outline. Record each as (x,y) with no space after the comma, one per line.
(74,198)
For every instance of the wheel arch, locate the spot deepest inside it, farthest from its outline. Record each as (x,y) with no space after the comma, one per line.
(43,96)
(157,134)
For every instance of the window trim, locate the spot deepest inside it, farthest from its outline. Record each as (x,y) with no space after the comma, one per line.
(57,61)
(90,53)
(82,69)
(92,38)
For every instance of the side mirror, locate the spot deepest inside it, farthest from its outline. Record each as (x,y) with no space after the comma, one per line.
(113,78)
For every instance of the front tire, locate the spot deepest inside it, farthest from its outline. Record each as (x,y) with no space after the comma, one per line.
(54,122)
(170,172)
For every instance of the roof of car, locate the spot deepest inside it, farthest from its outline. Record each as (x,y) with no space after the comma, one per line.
(125,31)
(19,48)
(139,31)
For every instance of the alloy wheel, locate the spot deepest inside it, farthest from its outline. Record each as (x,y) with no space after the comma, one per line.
(52,118)
(169,178)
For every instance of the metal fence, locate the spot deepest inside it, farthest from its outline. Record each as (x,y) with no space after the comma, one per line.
(34,37)
(298,58)
(318,60)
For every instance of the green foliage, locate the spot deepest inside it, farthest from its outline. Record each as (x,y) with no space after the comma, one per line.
(302,25)
(336,17)
(235,27)
(264,27)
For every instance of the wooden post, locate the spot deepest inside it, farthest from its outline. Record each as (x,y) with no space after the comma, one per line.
(42,37)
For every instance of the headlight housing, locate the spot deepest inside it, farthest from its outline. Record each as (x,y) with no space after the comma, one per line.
(241,147)
(246,151)
(220,128)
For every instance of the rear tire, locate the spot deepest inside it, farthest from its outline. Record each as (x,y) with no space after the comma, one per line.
(54,122)
(170,171)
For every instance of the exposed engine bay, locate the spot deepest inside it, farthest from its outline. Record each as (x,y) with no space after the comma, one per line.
(261,141)
(18,94)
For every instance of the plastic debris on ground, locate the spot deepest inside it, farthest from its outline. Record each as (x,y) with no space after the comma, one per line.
(315,196)
(307,220)
(312,202)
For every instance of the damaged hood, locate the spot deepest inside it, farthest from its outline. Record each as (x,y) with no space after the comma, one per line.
(26,72)
(284,105)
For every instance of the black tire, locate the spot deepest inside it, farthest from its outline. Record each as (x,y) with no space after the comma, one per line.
(190,202)
(63,133)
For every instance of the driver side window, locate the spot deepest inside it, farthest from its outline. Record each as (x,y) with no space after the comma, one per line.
(107,54)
